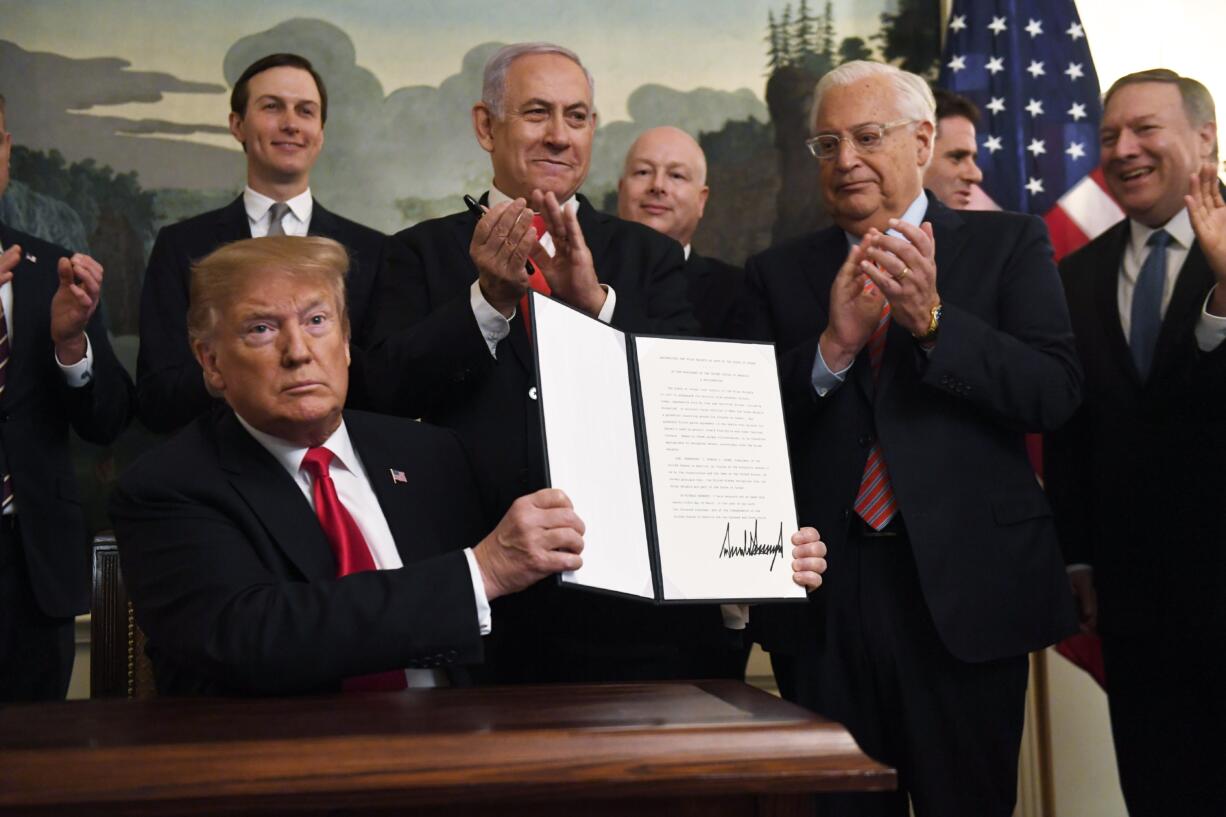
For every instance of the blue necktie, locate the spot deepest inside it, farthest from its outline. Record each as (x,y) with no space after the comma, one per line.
(1147,303)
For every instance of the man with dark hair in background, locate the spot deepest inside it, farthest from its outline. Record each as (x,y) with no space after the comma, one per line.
(953,174)
(57,371)
(278,109)
(1137,477)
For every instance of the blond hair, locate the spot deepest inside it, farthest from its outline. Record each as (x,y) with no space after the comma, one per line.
(224,274)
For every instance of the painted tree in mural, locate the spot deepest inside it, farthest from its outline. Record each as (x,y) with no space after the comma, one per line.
(911,36)
(115,217)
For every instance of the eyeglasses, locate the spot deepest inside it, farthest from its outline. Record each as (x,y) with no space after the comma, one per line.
(864,139)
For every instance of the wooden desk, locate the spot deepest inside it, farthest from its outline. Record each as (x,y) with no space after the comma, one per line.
(704,748)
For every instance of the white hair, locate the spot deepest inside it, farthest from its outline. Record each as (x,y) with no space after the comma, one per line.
(911,91)
(494,77)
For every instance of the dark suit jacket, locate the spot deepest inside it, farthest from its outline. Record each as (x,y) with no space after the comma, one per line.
(169,382)
(1137,478)
(951,424)
(430,359)
(234,582)
(36,411)
(715,290)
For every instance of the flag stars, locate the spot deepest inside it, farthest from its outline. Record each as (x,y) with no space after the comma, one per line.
(958,23)
(1034,107)
(997,104)
(992,144)
(1034,28)
(1036,69)
(997,25)
(996,65)
(1076,150)
(1074,71)
(1078,111)
(1036,147)
(958,63)
(1076,31)
(1035,186)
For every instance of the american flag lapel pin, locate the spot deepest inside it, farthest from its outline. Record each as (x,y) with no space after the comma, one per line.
(398,476)
(30,257)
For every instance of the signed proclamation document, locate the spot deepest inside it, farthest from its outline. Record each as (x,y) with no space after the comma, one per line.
(673,453)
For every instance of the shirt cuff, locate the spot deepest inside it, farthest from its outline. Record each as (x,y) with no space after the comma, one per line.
(81,373)
(736,616)
(494,327)
(610,301)
(1210,329)
(825,381)
(484,618)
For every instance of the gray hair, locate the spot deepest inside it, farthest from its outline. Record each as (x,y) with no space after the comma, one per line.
(494,78)
(915,100)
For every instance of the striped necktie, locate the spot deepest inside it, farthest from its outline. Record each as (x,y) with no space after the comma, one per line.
(875,502)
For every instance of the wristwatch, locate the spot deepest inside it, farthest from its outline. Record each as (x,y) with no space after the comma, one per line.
(934,326)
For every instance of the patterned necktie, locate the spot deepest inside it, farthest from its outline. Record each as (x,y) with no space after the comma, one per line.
(1146,317)
(277,211)
(349,546)
(6,492)
(875,502)
(536,280)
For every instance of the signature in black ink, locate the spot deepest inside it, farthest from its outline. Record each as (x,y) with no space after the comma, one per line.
(750,546)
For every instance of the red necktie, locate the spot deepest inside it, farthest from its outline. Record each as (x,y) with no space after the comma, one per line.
(875,502)
(350,548)
(535,281)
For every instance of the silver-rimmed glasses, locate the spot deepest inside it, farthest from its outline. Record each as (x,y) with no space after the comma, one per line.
(864,139)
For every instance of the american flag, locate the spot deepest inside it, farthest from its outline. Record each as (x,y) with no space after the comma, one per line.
(398,476)
(1026,64)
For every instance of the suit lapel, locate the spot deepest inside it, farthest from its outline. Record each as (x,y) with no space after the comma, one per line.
(232,222)
(34,284)
(1191,287)
(381,458)
(274,497)
(1105,267)
(323,223)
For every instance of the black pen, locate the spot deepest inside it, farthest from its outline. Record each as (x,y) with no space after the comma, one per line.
(473,207)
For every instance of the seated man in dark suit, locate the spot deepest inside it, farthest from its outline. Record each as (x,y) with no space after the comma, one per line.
(454,348)
(278,109)
(57,372)
(664,185)
(284,545)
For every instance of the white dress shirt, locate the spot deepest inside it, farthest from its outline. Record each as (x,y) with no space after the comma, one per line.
(356,494)
(494,326)
(1210,329)
(259,218)
(77,375)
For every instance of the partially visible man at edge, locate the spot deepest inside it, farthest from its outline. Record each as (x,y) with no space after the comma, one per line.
(57,371)
(278,109)
(1137,477)
(453,346)
(953,174)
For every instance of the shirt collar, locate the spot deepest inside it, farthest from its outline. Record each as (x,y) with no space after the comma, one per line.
(290,454)
(1179,227)
(257,204)
(913,215)
(498,197)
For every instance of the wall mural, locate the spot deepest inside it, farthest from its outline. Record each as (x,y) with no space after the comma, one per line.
(118,112)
